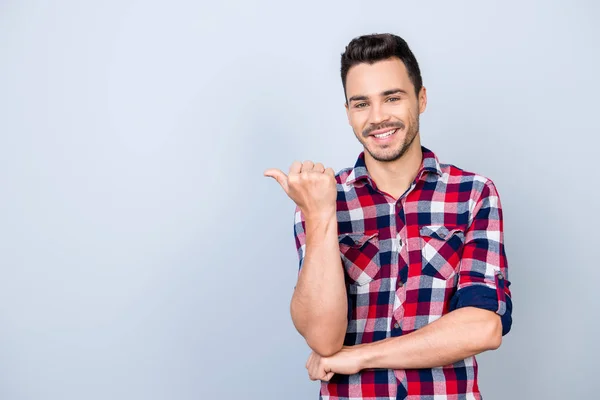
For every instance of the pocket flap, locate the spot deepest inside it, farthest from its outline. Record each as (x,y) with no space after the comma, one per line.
(440,232)
(356,239)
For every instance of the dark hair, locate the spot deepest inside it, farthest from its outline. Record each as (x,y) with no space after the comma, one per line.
(378,47)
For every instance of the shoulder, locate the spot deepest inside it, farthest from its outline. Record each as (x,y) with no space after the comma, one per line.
(465,179)
(471,188)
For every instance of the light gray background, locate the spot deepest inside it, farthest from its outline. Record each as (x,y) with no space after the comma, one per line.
(144,256)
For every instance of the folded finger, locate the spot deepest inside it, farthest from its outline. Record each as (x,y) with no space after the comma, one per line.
(309,360)
(328,377)
(295,168)
(307,166)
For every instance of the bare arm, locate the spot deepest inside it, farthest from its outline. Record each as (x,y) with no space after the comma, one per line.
(457,335)
(319,304)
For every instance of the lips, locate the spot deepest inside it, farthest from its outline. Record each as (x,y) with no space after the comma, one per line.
(385,130)
(384,134)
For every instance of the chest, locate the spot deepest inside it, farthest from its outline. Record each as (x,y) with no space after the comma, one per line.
(419,236)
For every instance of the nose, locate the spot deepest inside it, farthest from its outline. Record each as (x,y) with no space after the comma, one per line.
(378,115)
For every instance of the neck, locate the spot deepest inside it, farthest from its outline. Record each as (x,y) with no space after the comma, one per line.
(395,177)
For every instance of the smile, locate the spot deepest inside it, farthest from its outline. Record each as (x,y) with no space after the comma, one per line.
(386,134)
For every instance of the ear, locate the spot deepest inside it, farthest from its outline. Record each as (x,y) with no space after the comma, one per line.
(347,112)
(422,99)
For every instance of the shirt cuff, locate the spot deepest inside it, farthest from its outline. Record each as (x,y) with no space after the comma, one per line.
(486,298)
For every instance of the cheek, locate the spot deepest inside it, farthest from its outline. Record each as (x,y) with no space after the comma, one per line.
(404,112)
(414,111)
(414,114)
(406,115)
(357,121)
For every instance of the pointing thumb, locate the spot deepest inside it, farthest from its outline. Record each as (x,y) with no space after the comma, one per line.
(279,176)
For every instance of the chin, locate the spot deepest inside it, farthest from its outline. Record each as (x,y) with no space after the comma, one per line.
(386,156)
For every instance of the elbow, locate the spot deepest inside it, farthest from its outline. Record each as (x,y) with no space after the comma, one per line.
(493,333)
(326,348)
(495,342)
(326,340)
(324,335)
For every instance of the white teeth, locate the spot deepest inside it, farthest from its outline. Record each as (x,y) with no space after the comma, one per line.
(384,135)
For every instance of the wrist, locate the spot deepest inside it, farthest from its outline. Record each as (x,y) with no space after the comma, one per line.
(372,354)
(363,355)
(321,218)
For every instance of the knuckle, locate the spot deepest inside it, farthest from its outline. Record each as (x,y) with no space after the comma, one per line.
(293,178)
(295,165)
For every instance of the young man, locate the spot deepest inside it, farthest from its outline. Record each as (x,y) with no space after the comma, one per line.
(403,272)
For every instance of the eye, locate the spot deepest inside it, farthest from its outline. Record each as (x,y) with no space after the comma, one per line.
(394,99)
(360,105)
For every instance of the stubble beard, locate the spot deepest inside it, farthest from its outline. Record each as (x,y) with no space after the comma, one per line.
(390,155)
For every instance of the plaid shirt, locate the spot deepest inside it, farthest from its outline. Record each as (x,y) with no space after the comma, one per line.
(409,261)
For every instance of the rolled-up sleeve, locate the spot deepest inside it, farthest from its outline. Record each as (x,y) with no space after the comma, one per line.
(483,271)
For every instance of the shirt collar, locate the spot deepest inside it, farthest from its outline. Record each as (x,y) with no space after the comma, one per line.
(359,173)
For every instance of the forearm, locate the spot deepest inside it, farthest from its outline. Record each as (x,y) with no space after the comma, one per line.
(455,336)
(319,304)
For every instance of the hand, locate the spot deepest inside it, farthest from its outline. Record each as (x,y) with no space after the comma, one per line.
(310,186)
(346,362)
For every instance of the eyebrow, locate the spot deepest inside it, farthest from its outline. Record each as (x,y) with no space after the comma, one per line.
(383,94)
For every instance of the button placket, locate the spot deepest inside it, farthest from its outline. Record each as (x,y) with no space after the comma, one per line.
(400,244)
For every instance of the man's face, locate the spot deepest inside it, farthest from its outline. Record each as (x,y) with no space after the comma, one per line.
(383,108)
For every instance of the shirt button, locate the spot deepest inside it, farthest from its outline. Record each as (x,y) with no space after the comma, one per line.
(400,283)
(500,276)
(396,325)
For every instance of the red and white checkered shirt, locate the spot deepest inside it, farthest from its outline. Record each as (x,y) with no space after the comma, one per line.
(409,261)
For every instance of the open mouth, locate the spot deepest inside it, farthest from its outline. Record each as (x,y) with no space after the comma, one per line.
(385,135)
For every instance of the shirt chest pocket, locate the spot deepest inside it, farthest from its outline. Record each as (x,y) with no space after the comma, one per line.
(360,256)
(441,250)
